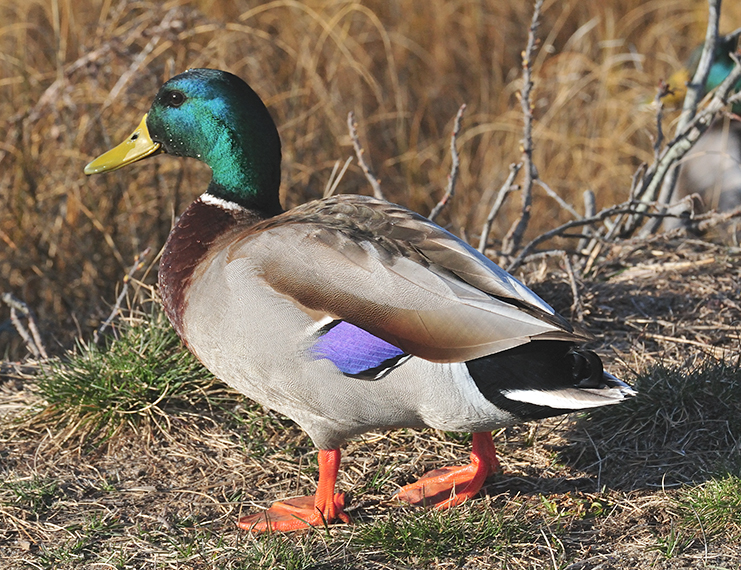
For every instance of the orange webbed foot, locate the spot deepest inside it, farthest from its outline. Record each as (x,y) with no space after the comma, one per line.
(449,486)
(295,514)
(323,508)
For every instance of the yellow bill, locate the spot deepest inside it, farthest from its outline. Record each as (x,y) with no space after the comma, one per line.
(678,85)
(137,146)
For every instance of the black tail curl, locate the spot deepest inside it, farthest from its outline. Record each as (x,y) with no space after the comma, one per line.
(587,369)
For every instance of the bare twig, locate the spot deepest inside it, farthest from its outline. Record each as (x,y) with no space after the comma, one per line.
(661,92)
(629,208)
(561,202)
(695,92)
(334,179)
(635,182)
(514,236)
(733,36)
(576,309)
(24,333)
(453,176)
(359,152)
(680,145)
(696,87)
(590,208)
(604,214)
(31,337)
(501,197)
(716,218)
(138,264)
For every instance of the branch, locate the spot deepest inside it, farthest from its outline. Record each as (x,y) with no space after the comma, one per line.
(501,196)
(453,176)
(696,87)
(630,207)
(716,218)
(590,208)
(359,152)
(679,146)
(663,188)
(661,92)
(561,202)
(733,36)
(31,337)
(514,236)
(138,264)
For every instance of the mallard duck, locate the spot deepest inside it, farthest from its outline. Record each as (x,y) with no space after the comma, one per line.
(719,70)
(712,169)
(347,314)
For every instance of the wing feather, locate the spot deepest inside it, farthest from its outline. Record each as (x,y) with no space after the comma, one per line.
(398,276)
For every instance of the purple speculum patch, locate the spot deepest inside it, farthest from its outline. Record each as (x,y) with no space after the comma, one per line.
(354,350)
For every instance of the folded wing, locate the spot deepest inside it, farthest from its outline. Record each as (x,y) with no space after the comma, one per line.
(398,276)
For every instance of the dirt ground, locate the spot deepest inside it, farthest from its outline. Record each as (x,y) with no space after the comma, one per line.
(168,497)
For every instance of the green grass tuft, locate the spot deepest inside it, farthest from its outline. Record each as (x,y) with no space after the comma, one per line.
(86,541)
(96,391)
(279,551)
(35,494)
(682,427)
(713,509)
(673,544)
(200,547)
(418,537)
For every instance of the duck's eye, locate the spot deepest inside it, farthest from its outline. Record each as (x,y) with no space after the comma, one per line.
(176,98)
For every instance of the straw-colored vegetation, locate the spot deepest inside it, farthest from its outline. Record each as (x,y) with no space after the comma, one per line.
(116,462)
(77,76)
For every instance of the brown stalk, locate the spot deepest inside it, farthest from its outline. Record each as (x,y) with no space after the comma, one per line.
(30,336)
(360,152)
(138,264)
(504,191)
(453,176)
(514,236)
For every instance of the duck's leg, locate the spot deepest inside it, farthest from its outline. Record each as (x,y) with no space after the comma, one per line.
(302,512)
(449,486)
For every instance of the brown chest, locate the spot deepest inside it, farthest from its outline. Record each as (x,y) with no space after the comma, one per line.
(200,230)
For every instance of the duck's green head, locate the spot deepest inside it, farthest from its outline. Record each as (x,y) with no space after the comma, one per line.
(215,117)
(721,68)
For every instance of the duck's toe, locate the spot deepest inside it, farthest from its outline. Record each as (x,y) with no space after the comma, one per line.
(295,514)
(449,486)
(443,488)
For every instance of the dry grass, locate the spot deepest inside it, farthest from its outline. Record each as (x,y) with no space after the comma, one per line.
(602,491)
(76,77)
